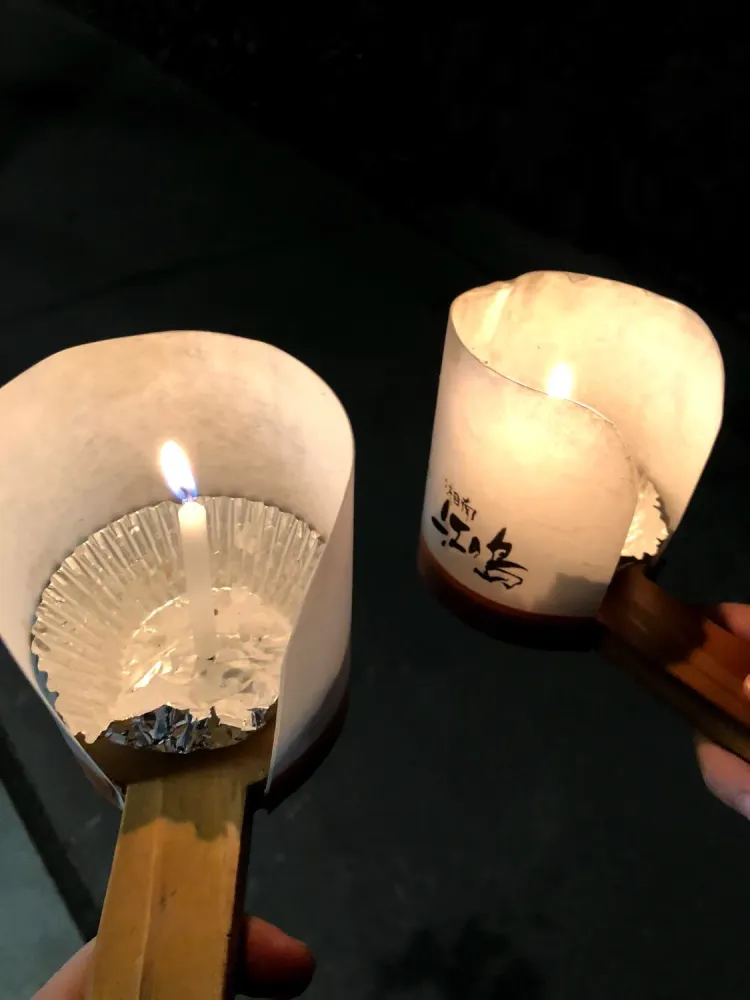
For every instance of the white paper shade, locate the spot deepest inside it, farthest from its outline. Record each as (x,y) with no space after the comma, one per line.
(521,476)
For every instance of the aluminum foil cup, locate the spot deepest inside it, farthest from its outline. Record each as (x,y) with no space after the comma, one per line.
(649,529)
(112,633)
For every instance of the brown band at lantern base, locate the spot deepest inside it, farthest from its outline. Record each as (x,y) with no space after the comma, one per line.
(521,628)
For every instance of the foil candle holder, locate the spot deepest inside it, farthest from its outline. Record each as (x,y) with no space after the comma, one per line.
(115,638)
(573,421)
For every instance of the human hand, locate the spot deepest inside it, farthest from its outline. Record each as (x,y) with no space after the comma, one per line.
(272,965)
(727,776)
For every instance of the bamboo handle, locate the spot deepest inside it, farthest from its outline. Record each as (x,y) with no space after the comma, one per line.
(175,890)
(693,663)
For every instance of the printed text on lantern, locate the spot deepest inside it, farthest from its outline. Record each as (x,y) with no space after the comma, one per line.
(497,568)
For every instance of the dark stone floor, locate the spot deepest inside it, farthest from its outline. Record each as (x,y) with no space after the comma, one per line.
(493,821)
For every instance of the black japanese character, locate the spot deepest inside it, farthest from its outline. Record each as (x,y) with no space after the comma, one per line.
(443,514)
(474,547)
(459,527)
(467,508)
(496,569)
(456,525)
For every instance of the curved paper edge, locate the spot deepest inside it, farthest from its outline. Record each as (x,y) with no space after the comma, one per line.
(507,458)
(661,349)
(315,670)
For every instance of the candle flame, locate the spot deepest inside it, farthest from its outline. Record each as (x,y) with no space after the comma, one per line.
(560,381)
(176,470)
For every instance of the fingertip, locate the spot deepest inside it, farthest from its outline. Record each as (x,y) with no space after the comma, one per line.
(276,965)
(70,982)
(735,618)
(725,775)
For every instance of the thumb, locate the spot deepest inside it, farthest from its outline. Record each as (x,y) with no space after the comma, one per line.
(68,983)
(727,776)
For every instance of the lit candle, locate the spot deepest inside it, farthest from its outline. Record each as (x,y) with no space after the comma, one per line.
(196,554)
(573,420)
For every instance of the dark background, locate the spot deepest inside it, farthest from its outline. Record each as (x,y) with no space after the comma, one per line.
(494,822)
(618,131)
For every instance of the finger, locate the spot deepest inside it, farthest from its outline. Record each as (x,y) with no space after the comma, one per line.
(275,965)
(734,618)
(727,776)
(68,983)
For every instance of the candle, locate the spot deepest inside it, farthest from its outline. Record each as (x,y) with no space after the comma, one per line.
(574,418)
(196,554)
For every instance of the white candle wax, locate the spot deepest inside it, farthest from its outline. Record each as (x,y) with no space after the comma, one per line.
(196,557)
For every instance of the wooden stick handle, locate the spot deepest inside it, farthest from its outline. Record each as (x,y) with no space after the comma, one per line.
(168,927)
(684,657)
